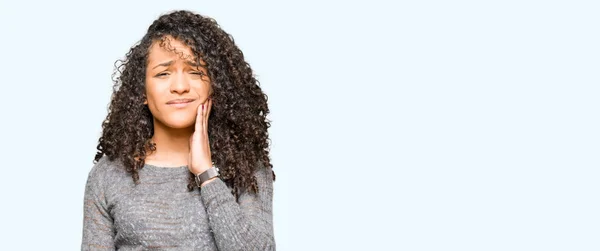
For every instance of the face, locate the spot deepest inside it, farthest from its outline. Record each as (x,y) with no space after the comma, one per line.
(175,85)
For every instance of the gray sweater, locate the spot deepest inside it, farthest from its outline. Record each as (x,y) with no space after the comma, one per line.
(160,214)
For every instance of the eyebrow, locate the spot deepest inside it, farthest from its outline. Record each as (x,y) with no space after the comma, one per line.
(190,63)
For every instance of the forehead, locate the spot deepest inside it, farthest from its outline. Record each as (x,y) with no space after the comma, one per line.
(169,49)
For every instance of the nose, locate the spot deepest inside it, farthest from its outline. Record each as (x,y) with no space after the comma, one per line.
(180,84)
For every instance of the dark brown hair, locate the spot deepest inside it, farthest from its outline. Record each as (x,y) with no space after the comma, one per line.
(238,120)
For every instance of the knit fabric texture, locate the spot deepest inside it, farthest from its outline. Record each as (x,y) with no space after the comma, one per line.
(161,214)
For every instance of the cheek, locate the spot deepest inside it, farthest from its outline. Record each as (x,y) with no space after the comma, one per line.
(153,99)
(154,92)
(203,91)
(202,88)
(151,102)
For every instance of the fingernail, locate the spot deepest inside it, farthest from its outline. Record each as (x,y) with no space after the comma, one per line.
(203,107)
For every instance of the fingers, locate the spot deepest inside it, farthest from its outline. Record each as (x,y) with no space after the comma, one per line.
(203,111)
(199,119)
(207,108)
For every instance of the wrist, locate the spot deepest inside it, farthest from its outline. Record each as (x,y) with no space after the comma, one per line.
(206,176)
(208,181)
(199,169)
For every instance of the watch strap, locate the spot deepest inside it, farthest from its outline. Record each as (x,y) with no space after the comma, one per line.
(206,175)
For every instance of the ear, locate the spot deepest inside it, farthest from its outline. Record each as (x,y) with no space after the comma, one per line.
(145,101)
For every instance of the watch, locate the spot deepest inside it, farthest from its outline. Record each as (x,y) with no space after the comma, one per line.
(207,175)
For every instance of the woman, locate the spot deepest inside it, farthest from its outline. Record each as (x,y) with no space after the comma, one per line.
(185,102)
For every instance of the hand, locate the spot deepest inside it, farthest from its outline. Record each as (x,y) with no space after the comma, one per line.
(200,156)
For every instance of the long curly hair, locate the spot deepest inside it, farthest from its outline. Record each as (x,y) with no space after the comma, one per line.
(238,121)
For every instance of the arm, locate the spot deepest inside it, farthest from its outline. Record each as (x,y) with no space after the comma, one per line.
(244,226)
(97,223)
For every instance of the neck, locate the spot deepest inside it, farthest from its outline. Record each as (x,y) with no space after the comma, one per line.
(172,145)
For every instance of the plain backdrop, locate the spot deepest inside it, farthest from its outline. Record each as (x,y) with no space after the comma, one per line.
(398,125)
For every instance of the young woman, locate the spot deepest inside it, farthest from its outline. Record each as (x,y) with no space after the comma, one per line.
(183,160)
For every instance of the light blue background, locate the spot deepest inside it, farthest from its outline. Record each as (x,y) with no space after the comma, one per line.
(415,125)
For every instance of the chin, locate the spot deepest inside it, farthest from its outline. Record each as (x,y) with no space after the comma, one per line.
(180,125)
(179,122)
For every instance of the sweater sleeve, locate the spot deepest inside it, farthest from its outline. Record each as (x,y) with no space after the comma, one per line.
(244,226)
(98,231)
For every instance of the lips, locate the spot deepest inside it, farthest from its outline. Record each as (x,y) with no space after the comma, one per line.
(180,101)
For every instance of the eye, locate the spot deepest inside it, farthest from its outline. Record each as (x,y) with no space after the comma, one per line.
(198,73)
(162,74)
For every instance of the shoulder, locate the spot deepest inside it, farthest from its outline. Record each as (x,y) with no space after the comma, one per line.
(264,177)
(106,166)
(263,171)
(105,171)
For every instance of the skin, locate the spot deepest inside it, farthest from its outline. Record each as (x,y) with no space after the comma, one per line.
(180,133)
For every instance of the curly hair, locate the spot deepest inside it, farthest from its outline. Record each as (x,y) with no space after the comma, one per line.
(238,133)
